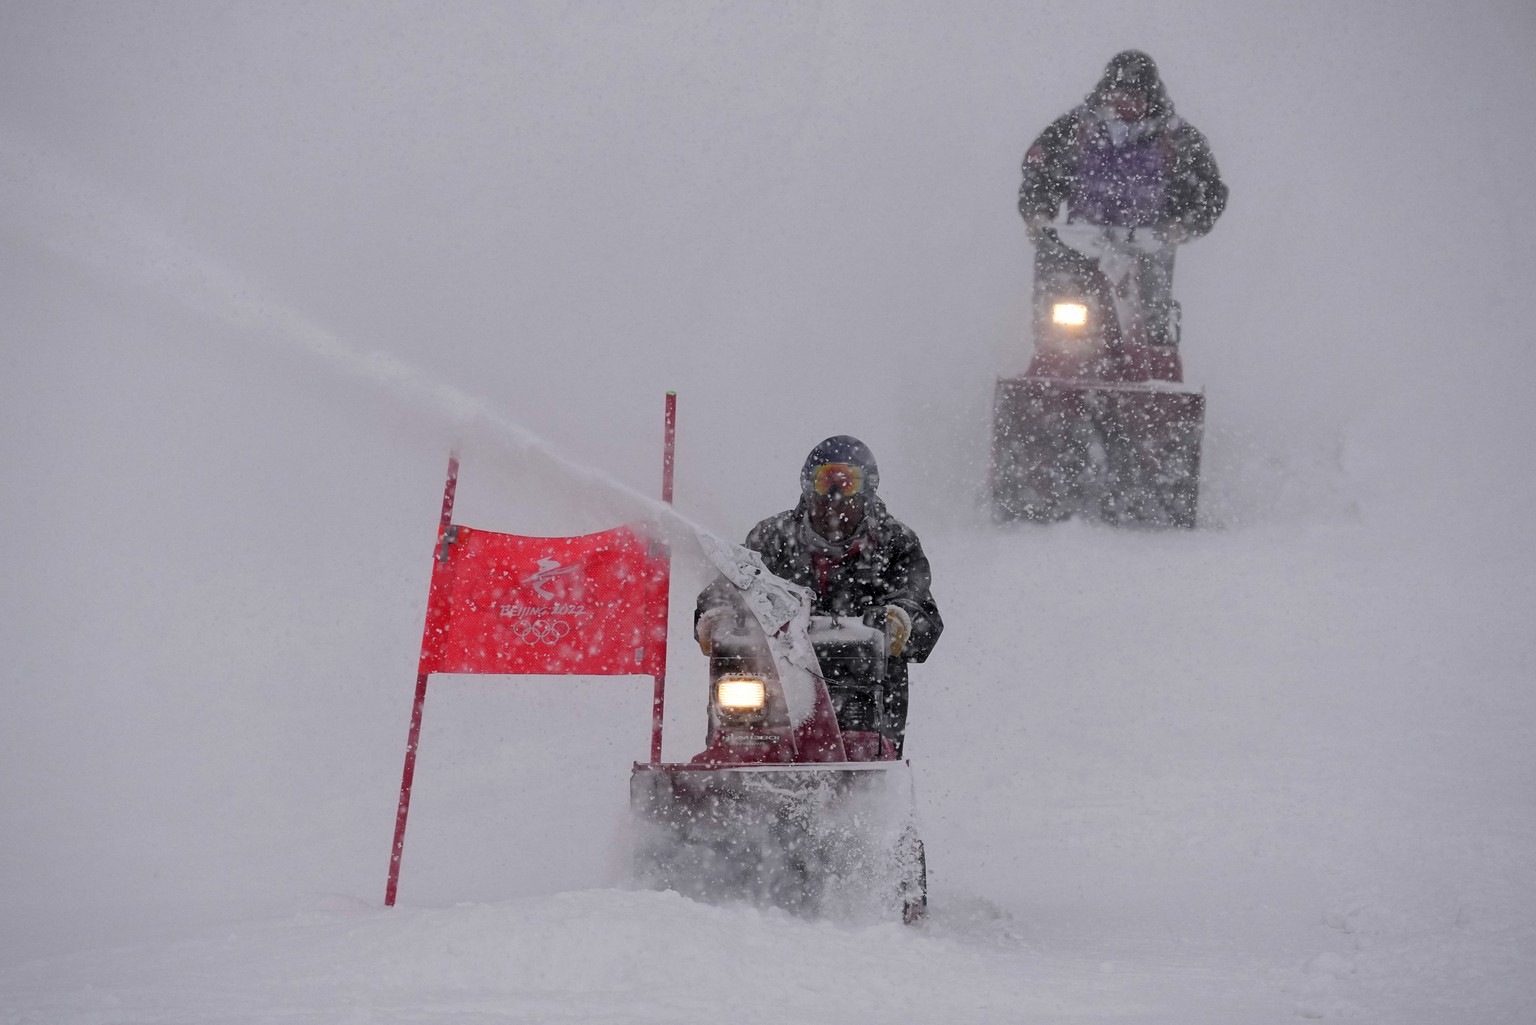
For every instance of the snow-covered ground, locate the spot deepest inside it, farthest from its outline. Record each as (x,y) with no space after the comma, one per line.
(263,266)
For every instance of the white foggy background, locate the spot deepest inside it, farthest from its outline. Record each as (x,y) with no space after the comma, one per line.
(217,220)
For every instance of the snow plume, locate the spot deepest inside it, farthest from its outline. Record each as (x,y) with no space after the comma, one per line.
(81,222)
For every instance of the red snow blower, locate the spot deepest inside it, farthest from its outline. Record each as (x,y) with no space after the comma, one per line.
(1101,425)
(799,799)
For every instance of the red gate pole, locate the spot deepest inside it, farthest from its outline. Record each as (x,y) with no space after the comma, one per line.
(444,538)
(669,446)
(668,451)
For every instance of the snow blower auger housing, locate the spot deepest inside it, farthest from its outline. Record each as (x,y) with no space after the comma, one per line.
(798,800)
(1102,424)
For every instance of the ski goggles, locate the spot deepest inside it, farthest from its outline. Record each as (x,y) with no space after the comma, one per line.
(842,479)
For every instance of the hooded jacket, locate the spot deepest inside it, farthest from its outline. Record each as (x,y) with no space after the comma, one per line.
(1185,185)
(881,564)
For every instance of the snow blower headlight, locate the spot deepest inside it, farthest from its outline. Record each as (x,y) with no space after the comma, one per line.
(1069,315)
(741,696)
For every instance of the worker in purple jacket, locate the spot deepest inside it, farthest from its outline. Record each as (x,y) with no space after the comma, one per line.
(1124,159)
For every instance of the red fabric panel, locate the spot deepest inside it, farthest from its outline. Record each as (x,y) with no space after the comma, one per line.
(594,605)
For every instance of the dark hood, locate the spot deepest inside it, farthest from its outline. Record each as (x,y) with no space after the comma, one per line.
(1136,68)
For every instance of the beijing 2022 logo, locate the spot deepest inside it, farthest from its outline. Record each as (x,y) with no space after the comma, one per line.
(552,618)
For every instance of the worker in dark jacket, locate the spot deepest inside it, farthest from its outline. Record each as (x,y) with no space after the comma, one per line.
(1124,159)
(841,543)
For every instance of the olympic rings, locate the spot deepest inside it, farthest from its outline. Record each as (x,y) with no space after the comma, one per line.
(541,631)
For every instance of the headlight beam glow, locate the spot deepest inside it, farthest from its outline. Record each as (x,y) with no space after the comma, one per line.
(741,694)
(1069,314)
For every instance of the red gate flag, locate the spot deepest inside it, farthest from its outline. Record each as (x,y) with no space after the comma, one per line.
(594,605)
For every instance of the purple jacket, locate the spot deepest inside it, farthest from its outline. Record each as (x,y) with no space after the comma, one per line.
(1155,172)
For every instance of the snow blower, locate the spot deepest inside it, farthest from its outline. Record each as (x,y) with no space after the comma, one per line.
(799,799)
(1102,424)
